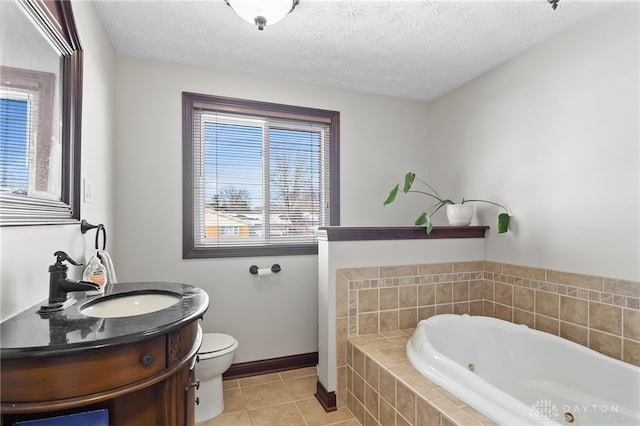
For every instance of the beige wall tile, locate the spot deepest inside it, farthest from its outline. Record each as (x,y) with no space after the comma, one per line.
(476,307)
(435,268)
(625,288)
(460,291)
(387,413)
(444,293)
(524,317)
(588,282)
(426,414)
(446,422)
(605,318)
(523,298)
(388,298)
(605,343)
(367,273)
(446,308)
(523,272)
(575,333)
(358,387)
(349,353)
(369,420)
(387,388)
(548,304)
(371,372)
(631,352)
(453,411)
(488,290)
(398,271)
(401,421)
(479,417)
(503,312)
(461,308)
(388,320)
(548,325)
(357,408)
(494,267)
(504,294)
(406,402)
(488,309)
(468,266)
(357,362)
(574,310)
(371,400)
(426,294)
(631,324)
(407,318)
(426,312)
(408,296)
(368,323)
(342,330)
(476,290)
(341,390)
(342,296)
(367,300)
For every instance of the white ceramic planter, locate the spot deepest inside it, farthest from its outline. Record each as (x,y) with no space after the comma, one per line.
(459,214)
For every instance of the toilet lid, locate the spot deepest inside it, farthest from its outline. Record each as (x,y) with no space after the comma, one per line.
(213,342)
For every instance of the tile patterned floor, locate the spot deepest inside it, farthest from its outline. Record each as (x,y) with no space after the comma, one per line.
(277,399)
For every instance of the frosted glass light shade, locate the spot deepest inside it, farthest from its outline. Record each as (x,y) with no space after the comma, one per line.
(262,12)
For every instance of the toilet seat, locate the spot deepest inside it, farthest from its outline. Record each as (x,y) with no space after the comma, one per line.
(216,344)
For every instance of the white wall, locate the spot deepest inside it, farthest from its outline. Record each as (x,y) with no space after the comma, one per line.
(554,134)
(277,315)
(27,251)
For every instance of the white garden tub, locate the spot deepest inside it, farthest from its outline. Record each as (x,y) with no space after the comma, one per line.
(518,376)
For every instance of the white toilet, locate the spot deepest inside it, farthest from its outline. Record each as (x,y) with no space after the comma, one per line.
(214,358)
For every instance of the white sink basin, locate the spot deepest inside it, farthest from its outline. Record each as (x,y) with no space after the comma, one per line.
(130,304)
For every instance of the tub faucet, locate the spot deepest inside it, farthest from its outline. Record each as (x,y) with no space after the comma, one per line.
(60,285)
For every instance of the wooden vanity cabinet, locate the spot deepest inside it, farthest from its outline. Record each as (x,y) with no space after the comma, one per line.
(146,383)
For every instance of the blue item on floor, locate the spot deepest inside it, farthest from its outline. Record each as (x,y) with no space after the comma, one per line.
(90,418)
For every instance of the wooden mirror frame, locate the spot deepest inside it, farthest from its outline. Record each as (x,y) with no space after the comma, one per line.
(56,21)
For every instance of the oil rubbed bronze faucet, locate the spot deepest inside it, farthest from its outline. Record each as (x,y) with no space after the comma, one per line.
(60,285)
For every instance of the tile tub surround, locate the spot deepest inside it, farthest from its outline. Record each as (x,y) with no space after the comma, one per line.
(597,312)
(384,389)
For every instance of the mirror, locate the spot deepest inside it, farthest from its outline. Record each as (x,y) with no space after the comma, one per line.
(40,112)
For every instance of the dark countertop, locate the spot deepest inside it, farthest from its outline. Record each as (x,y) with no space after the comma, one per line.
(29,334)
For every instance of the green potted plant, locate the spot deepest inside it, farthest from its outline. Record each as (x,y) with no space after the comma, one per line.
(457,215)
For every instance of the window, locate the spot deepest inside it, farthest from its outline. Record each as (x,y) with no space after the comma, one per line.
(15,116)
(258,178)
(27,166)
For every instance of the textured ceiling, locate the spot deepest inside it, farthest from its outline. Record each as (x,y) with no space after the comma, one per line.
(404,48)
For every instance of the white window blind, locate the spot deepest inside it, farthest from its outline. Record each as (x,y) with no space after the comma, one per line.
(16,153)
(258,180)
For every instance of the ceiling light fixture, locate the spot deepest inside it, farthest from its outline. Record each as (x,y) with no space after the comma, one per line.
(262,12)
(554,4)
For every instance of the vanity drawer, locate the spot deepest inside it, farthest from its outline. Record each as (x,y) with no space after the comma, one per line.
(90,372)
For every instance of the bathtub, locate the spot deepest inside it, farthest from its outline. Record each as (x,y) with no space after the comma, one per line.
(518,376)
